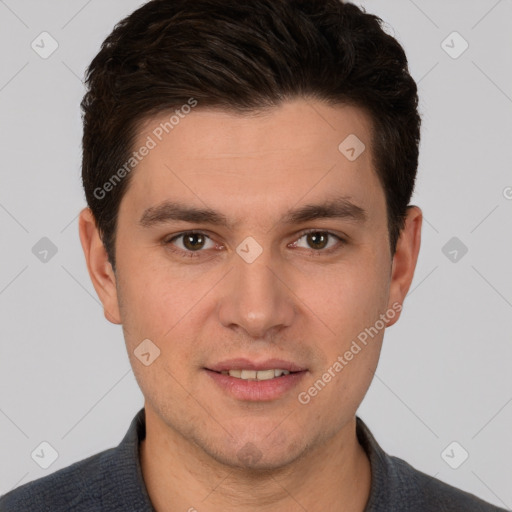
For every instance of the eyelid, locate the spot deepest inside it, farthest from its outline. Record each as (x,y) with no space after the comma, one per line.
(167,241)
(342,240)
(169,238)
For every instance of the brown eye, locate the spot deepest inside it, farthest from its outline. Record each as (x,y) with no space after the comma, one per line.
(191,245)
(317,239)
(319,242)
(193,241)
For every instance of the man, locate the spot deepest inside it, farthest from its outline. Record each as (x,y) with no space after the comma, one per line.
(248,169)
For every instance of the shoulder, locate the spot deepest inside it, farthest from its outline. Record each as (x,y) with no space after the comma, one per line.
(398,486)
(107,481)
(419,491)
(75,487)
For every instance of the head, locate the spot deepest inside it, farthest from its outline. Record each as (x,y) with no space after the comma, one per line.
(264,120)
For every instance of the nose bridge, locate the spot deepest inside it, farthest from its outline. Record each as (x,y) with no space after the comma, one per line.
(256,299)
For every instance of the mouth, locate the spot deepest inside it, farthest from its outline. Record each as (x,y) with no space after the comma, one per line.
(256,374)
(247,380)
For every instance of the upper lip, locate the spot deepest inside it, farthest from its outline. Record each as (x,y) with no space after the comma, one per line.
(242,363)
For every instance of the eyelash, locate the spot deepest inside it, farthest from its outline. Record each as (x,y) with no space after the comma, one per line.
(195,254)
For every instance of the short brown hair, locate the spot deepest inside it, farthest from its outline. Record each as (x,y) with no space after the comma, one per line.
(244,57)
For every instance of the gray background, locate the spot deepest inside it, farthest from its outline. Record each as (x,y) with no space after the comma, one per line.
(445,372)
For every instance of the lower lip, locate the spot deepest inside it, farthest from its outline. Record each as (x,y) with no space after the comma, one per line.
(256,390)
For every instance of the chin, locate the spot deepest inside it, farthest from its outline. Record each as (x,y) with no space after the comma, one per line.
(259,453)
(256,460)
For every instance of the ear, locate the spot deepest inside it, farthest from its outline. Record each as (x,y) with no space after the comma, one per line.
(405,258)
(100,270)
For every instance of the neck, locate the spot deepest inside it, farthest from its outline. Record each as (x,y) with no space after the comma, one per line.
(179,476)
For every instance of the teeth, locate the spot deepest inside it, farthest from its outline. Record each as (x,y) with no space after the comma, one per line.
(265,374)
(255,375)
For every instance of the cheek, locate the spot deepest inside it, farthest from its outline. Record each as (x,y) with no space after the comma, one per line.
(167,307)
(161,310)
(349,300)
(153,299)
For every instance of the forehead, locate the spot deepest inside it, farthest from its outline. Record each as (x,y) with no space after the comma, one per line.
(262,163)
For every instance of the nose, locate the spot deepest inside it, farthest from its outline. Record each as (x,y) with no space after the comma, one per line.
(256,297)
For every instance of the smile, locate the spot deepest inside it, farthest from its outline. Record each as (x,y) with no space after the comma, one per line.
(255,374)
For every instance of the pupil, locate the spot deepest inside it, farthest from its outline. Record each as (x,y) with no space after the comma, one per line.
(316,236)
(189,241)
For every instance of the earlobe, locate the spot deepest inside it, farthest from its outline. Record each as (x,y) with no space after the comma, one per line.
(98,265)
(405,258)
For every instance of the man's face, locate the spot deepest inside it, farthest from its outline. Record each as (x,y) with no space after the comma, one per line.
(210,301)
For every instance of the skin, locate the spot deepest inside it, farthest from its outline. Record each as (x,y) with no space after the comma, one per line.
(293,302)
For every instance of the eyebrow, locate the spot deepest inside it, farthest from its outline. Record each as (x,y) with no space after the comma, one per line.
(168,211)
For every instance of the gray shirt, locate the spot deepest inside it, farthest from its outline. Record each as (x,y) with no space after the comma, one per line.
(111,481)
